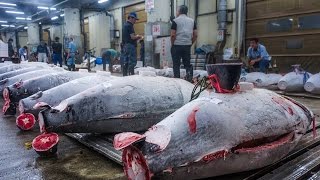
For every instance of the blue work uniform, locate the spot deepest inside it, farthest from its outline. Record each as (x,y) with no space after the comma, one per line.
(260,52)
(130,51)
(73,49)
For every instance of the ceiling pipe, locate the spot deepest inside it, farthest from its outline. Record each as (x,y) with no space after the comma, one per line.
(60,3)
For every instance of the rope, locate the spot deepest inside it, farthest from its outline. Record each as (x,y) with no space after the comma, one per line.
(203,85)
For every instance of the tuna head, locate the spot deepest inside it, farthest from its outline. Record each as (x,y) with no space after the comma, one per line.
(215,135)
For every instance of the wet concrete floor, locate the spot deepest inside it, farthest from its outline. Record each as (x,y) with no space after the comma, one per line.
(73,160)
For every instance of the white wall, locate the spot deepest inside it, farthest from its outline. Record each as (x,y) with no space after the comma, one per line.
(99,32)
(23,38)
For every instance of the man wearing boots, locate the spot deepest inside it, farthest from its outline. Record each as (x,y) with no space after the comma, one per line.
(129,41)
(183,35)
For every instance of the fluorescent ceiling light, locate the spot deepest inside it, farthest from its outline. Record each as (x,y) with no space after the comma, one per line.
(20,18)
(25,27)
(3,21)
(42,7)
(39,22)
(14,12)
(61,15)
(291,19)
(4,7)
(102,1)
(7,4)
(54,18)
(4,25)
(12,26)
(46,8)
(28,19)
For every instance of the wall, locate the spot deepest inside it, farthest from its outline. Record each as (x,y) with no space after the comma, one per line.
(207,23)
(99,31)
(23,38)
(290,30)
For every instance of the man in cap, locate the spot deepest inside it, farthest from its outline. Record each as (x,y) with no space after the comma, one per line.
(57,52)
(183,35)
(129,40)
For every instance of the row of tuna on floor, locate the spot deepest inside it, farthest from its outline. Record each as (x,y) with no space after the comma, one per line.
(297,81)
(210,136)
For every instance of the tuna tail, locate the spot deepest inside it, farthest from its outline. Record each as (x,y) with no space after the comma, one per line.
(37,95)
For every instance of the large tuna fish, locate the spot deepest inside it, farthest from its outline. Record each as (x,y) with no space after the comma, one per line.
(20,71)
(131,103)
(294,81)
(9,81)
(216,135)
(313,84)
(261,80)
(31,106)
(14,93)
(13,67)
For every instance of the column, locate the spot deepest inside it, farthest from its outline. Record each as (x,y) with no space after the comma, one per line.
(33,36)
(72,27)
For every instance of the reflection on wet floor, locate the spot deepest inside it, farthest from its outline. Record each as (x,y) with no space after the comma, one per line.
(73,161)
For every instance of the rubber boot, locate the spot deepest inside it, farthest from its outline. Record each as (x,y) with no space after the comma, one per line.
(131,70)
(189,72)
(125,70)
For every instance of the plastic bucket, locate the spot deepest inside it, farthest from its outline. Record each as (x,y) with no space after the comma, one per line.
(228,74)
(99,60)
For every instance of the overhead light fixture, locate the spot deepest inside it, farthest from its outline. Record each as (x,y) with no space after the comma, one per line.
(14,12)
(7,4)
(5,7)
(12,26)
(20,18)
(290,19)
(39,22)
(3,21)
(61,15)
(102,1)
(46,8)
(25,27)
(42,7)
(28,19)
(54,18)
(4,25)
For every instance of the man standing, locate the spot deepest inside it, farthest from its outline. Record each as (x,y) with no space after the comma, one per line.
(10,48)
(258,56)
(183,35)
(72,50)
(110,56)
(23,53)
(42,52)
(129,41)
(57,52)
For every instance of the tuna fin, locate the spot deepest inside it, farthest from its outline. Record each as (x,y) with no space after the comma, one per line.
(126,139)
(42,105)
(63,106)
(37,95)
(3,81)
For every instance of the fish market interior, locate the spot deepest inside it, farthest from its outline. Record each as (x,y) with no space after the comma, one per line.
(160,89)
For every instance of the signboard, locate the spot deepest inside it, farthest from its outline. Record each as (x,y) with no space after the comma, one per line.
(156,30)
(149,5)
(220,36)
